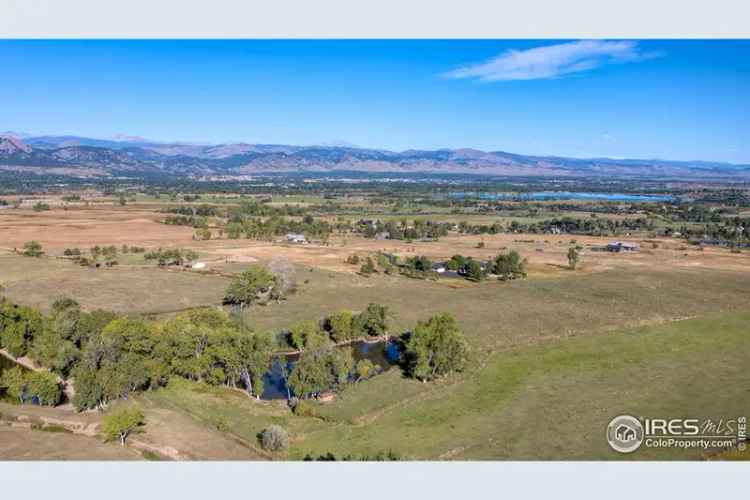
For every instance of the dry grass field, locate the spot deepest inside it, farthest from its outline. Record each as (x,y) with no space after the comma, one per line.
(39,282)
(20,443)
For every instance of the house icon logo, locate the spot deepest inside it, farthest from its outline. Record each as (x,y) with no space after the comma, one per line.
(625,433)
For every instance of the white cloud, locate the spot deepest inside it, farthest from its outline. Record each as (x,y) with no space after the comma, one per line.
(551,61)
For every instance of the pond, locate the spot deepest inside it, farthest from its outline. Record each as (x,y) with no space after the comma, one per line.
(566,195)
(381,355)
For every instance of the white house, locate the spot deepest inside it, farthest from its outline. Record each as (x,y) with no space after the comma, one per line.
(296,238)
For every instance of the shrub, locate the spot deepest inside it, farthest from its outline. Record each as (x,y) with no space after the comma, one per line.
(353,259)
(274,438)
(304,408)
(32,249)
(368,267)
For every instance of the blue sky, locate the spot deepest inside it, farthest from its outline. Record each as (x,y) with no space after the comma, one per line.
(681,100)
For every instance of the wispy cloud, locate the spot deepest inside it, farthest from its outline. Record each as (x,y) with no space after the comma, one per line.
(552,61)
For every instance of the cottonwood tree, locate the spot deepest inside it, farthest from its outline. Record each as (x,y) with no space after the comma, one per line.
(122,423)
(373,321)
(435,348)
(54,345)
(251,286)
(509,266)
(319,370)
(307,335)
(340,326)
(474,270)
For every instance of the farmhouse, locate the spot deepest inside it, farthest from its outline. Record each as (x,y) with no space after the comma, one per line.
(296,238)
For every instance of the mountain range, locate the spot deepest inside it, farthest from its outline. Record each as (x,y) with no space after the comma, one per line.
(136,156)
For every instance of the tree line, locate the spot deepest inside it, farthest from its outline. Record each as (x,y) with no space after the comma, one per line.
(110,357)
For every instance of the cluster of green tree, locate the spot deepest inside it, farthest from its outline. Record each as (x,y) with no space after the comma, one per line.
(735,197)
(433,349)
(40,387)
(254,208)
(343,326)
(419,229)
(418,267)
(383,456)
(40,207)
(320,369)
(96,253)
(131,354)
(111,357)
(732,230)
(257,285)
(202,210)
(691,212)
(506,266)
(275,225)
(494,228)
(108,254)
(171,256)
(186,220)
(71,197)
(472,269)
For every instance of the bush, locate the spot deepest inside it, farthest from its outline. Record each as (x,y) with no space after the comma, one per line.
(353,259)
(32,249)
(304,409)
(274,438)
(368,267)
